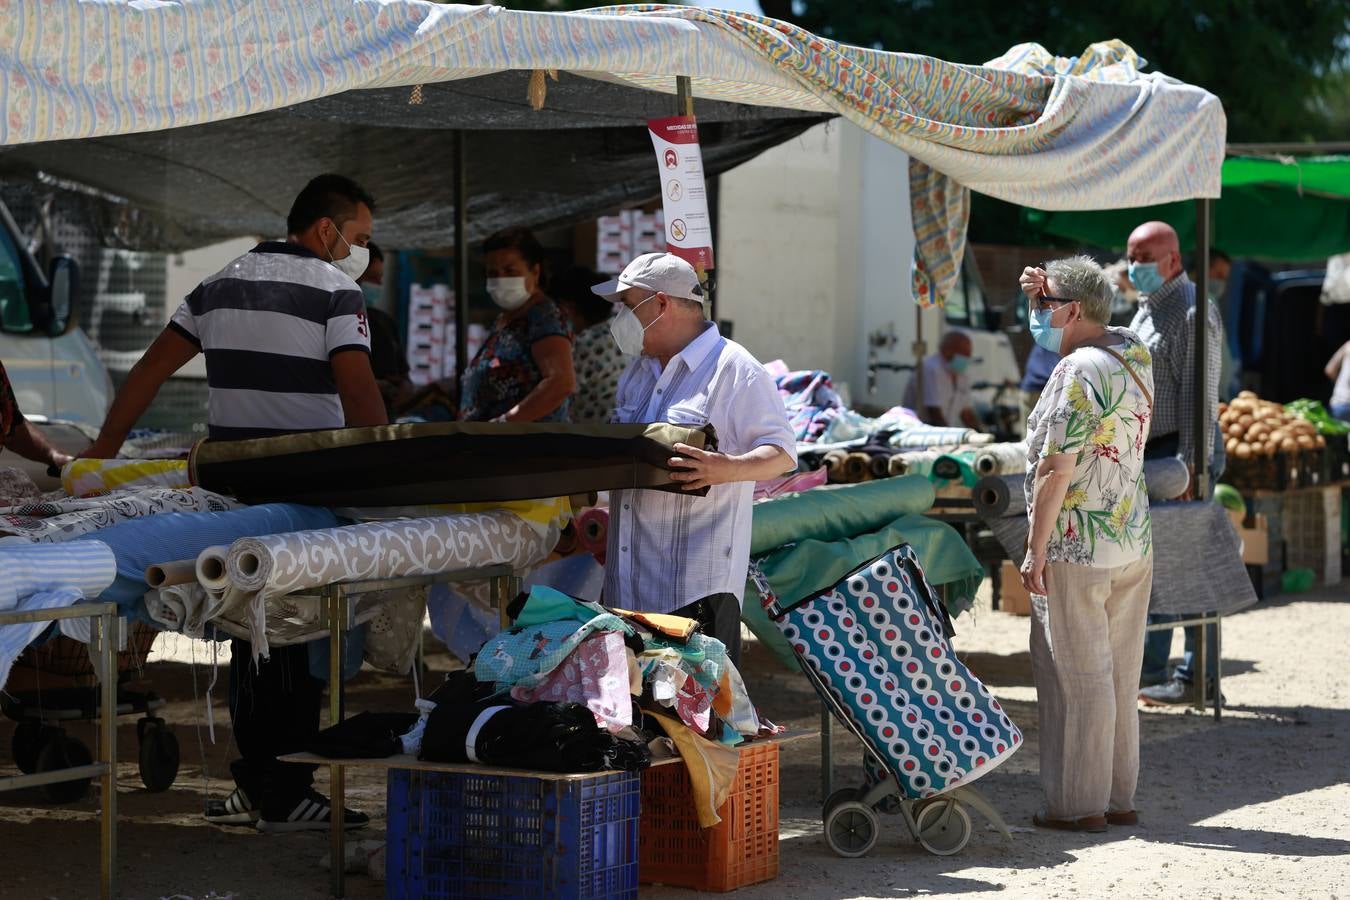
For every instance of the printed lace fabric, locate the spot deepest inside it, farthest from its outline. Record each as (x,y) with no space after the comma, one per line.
(61,520)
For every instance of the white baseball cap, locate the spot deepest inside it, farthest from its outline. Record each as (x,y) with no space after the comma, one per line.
(664,272)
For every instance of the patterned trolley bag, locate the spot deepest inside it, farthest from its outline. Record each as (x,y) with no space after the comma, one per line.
(877,642)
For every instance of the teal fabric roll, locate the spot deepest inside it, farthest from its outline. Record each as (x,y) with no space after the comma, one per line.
(813,565)
(838,511)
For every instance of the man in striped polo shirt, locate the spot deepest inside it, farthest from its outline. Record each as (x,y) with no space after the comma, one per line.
(287,348)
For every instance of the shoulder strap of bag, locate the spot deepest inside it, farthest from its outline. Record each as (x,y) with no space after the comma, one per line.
(1133,374)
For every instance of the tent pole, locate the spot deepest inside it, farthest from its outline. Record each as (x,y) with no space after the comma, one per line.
(684,95)
(461,261)
(1202,424)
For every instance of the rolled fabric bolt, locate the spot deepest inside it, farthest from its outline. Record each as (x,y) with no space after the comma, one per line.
(834,464)
(881,466)
(212,571)
(567,541)
(857,467)
(896,465)
(1001,459)
(993,496)
(593,531)
(160,575)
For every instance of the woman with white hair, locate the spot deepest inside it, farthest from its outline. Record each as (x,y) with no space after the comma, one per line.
(1089,561)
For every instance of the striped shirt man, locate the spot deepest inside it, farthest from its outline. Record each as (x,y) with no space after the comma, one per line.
(268,324)
(668,550)
(1165,323)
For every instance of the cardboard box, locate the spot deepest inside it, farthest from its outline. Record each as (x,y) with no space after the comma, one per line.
(1013,598)
(1255,539)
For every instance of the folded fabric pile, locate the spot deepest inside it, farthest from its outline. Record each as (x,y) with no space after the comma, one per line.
(811,402)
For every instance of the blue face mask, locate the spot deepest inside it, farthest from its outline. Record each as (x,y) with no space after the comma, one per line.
(372,294)
(1043,333)
(1145,277)
(959,363)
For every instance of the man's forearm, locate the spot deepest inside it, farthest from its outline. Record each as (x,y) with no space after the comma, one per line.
(30,443)
(762,463)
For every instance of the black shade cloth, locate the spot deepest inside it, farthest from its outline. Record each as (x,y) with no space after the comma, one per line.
(586,152)
(415,465)
(367,735)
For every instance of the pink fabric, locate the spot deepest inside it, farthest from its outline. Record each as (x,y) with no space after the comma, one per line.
(595,675)
(791,484)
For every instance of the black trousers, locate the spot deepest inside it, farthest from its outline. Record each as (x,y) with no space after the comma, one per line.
(275,710)
(720,616)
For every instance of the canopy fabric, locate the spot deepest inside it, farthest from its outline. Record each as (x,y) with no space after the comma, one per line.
(72,70)
(1285,208)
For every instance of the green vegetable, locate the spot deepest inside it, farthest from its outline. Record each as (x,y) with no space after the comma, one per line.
(1317,414)
(1228,497)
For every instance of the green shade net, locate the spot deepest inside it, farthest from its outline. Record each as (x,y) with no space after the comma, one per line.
(1295,210)
(830,532)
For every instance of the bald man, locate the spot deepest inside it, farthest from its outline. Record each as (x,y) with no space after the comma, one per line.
(946,386)
(1165,323)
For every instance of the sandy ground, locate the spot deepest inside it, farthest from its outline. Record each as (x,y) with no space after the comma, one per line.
(1255,806)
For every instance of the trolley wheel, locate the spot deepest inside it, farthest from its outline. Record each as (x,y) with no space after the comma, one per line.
(64,752)
(29,737)
(158,754)
(852,829)
(943,827)
(839,796)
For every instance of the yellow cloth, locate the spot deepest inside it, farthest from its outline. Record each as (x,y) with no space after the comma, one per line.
(712,767)
(677,627)
(91,477)
(540,515)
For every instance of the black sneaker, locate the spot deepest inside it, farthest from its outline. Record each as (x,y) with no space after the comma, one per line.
(312,813)
(235,809)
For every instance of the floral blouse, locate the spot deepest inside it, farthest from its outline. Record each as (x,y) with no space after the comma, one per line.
(598,364)
(504,372)
(1092,406)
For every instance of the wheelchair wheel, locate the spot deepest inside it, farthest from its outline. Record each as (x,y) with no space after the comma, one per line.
(159,755)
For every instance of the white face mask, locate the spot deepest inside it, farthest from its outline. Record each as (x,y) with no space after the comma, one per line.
(508,293)
(628,330)
(355,263)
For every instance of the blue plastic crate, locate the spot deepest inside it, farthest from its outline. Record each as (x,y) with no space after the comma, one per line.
(453,835)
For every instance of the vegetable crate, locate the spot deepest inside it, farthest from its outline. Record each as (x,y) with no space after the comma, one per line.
(456,835)
(742,849)
(1280,472)
(1312,532)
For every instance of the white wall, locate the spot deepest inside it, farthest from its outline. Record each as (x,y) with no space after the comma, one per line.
(814,252)
(185,271)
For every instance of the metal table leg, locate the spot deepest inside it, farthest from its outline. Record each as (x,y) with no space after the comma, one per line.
(107,625)
(1218,668)
(336,599)
(1202,666)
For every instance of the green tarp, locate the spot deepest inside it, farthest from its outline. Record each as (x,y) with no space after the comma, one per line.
(1288,209)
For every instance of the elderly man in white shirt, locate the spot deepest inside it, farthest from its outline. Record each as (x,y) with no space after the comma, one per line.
(688,554)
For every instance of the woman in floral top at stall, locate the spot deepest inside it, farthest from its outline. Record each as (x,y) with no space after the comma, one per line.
(523,372)
(1089,559)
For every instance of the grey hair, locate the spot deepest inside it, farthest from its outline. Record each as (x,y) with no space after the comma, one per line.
(1081,278)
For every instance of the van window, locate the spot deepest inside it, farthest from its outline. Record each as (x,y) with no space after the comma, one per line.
(965,305)
(13,295)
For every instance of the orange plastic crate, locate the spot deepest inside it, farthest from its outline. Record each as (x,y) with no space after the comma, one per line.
(742,849)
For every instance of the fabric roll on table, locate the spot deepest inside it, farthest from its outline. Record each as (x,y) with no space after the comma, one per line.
(50,521)
(1001,459)
(92,477)
(139,543)
(593,531)
(168,574)
(795,483)
(922,437)
(444,462)
(997,496)
(48,577)
(855,468)
(918,462)
(833,512)
(956,465)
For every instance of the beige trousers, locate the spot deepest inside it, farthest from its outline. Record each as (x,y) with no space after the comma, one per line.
(1087,643)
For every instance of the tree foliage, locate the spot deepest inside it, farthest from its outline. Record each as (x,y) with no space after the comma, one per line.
(1272,62)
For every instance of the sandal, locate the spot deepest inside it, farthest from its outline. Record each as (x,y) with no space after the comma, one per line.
(1122,818)
(1093,824)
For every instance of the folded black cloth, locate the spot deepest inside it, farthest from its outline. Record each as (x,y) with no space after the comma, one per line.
(546,737)
(367,735)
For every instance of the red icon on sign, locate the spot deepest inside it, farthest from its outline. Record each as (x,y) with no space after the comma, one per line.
(672,159)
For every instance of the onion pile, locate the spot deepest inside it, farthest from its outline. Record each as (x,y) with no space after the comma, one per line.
(1254,427)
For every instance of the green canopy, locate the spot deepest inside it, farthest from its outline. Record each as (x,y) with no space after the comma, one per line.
(1283,208)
